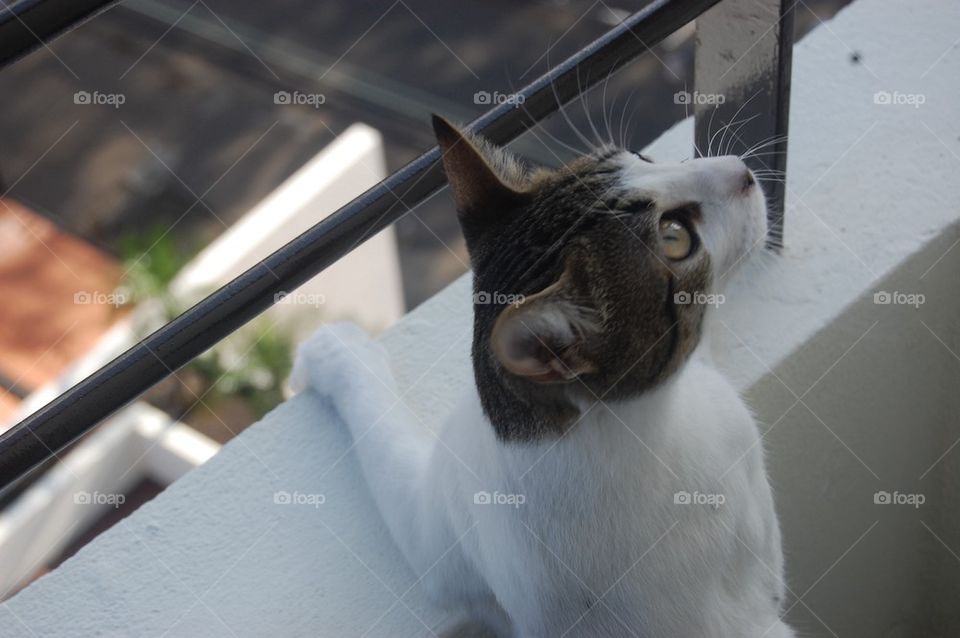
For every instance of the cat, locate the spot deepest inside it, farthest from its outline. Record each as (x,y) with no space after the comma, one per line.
(602,478)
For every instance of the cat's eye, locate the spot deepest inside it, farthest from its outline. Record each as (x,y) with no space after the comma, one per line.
(676,239)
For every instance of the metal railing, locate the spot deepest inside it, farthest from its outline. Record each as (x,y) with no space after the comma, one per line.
(27,24)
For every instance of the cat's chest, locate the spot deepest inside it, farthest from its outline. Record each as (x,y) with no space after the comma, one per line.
(640,499)
(694,434)
(623,493)
(629,473)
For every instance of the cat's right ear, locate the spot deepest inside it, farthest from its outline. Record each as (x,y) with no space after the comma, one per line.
(484,179)
(547,337)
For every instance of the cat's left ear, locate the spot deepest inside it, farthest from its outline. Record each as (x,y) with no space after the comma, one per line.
(547,337)
(486,180)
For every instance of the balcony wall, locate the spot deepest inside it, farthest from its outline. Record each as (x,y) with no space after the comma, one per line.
(860,398)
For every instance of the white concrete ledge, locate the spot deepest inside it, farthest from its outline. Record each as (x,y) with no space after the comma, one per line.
(139,442)
(873,205)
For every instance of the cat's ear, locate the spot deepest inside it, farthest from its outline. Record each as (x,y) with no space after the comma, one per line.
(546,338)
(485,180)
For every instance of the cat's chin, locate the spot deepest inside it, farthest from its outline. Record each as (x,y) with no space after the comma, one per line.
(753,235)
(751,250)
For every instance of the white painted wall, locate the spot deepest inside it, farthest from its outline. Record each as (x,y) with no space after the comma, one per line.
(139,443)
(364,286)
(873,204)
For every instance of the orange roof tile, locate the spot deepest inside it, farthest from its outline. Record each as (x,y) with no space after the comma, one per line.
(57,292)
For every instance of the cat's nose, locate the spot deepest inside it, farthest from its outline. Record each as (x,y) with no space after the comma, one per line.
(730,176)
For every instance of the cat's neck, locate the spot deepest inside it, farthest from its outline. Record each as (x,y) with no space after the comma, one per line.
(522,414)
(518,410)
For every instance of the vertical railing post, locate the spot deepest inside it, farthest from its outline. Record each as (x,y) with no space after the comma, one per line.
(742,90)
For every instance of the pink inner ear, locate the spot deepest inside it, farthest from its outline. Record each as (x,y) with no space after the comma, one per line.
(514,344)
(531,343)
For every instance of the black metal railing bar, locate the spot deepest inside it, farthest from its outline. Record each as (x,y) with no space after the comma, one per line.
(39,436)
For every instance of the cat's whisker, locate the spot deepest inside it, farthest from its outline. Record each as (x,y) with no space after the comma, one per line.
(696,149)
(768,153)
(724,148)
(576,151)
(603,105)
(763,143)
(563,111)
(709,127)
(686,114)
(771,141)
(623,113)
(735,135)
(557,140)
(733,120)
(722,131)
(586,111)
(754,152)
(771,181)
(542,126)
(710,152)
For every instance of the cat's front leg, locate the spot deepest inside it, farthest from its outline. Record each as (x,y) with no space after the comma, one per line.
(396,453)
(342,362)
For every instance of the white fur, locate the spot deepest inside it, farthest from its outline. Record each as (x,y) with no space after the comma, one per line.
(598,546)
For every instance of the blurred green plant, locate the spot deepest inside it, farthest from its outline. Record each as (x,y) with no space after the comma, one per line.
(250,365)
(151,260)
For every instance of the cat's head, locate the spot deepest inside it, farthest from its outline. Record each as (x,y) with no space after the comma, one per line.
(590,280)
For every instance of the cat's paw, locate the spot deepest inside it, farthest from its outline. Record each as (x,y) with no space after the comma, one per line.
(338,357)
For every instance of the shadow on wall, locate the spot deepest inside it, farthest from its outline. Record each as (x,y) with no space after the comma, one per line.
(866,496)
